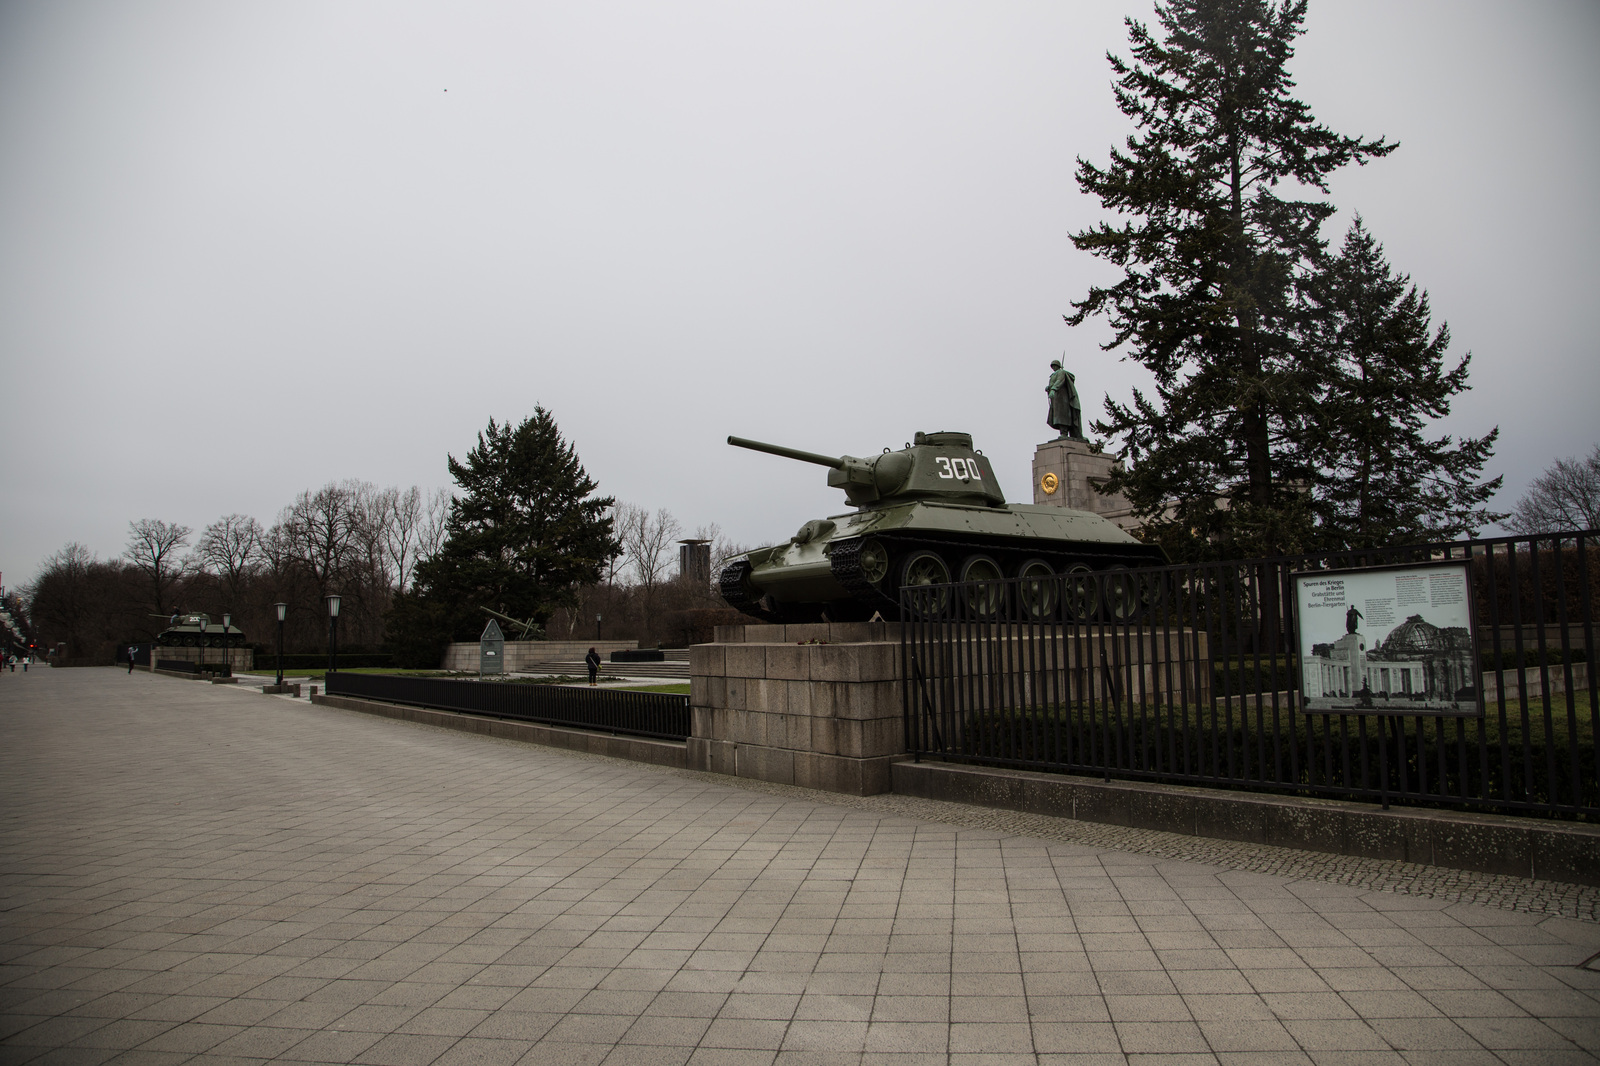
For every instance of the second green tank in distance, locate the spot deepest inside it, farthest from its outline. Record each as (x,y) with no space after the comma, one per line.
(192,630)
(931,513)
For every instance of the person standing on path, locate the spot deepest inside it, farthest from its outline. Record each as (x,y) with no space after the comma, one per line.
(131,653)
(592,661)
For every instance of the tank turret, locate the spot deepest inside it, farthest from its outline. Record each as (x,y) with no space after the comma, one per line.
(936,466)
(927,514)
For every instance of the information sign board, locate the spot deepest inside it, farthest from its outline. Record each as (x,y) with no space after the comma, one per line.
(1388,640)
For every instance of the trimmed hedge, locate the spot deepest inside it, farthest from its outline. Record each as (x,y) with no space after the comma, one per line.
(1530,657)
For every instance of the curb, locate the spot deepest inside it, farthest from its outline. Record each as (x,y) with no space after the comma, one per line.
(638,749)
(1484,843)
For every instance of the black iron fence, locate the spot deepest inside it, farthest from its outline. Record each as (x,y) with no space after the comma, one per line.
(662,715)
(1196,675)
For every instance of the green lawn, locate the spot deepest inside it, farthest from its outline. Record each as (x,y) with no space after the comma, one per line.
(317,675)
(676,690)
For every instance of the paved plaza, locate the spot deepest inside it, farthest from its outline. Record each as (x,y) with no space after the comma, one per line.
(201,873)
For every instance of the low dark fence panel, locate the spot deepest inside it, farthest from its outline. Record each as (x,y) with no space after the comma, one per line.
(179,666)
(662,715)
(1193,675)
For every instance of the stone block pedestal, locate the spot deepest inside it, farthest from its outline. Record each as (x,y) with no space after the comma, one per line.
(812,705)
(1063,472)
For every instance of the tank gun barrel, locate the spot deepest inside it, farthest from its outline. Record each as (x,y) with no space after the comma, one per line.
(833,462)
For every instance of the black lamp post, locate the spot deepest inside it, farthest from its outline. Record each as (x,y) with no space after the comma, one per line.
(597,627)
(283,609)
(333,632)
(201,661)
(227,653)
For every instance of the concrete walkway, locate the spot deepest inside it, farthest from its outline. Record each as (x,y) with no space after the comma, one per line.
(201,873)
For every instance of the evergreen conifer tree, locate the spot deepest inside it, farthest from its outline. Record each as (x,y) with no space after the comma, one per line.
(525,531)
(1381,479)
(1214,255)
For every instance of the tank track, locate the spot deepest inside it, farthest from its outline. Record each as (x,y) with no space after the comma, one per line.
(733,583)
(844,558)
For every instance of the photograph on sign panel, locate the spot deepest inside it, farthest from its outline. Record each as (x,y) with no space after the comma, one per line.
(1396,640)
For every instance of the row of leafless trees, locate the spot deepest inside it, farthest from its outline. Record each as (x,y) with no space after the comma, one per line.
(350,538)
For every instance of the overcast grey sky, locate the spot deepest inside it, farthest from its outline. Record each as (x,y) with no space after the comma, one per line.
(246,249)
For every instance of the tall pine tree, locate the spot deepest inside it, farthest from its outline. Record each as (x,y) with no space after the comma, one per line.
(1214,256)
(1381,479)
(524,532)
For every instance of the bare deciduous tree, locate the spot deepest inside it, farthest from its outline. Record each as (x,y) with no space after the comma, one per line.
(371,510)
(435,521)
(647,541)
(647,545)
(277,549)
(1566,496)
(153,547)
(86,603)
(231,546)
(401,533)
(321,525)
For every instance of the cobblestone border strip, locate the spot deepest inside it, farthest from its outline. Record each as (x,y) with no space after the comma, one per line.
(1382,875)
(1551,898)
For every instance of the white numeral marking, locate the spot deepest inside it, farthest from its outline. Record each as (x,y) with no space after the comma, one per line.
(965,469)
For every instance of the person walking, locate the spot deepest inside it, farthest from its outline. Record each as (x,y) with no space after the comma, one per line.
(592,661)
(131,652)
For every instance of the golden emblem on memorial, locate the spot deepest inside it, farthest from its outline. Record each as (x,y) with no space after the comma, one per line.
(1049,483)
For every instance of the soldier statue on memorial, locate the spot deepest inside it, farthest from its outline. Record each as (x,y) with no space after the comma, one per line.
(1065,415)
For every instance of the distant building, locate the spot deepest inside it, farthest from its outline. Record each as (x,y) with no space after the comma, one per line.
(694,561)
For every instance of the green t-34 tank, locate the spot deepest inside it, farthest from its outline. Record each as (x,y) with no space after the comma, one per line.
(930,514)
(190,630)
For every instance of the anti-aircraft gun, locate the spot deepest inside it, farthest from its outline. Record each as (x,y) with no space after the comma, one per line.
(529,627)
(929,514)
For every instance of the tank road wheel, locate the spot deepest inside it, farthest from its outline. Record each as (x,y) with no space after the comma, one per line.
(1120,593)
(1082,589)
(985,600)
(1036,590)
(926,568)
(874,563)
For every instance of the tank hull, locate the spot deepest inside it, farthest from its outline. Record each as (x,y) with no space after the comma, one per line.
(803,579)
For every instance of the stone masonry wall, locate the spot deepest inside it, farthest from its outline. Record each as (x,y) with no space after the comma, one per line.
(240,660)
(527,655)
(766,704)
